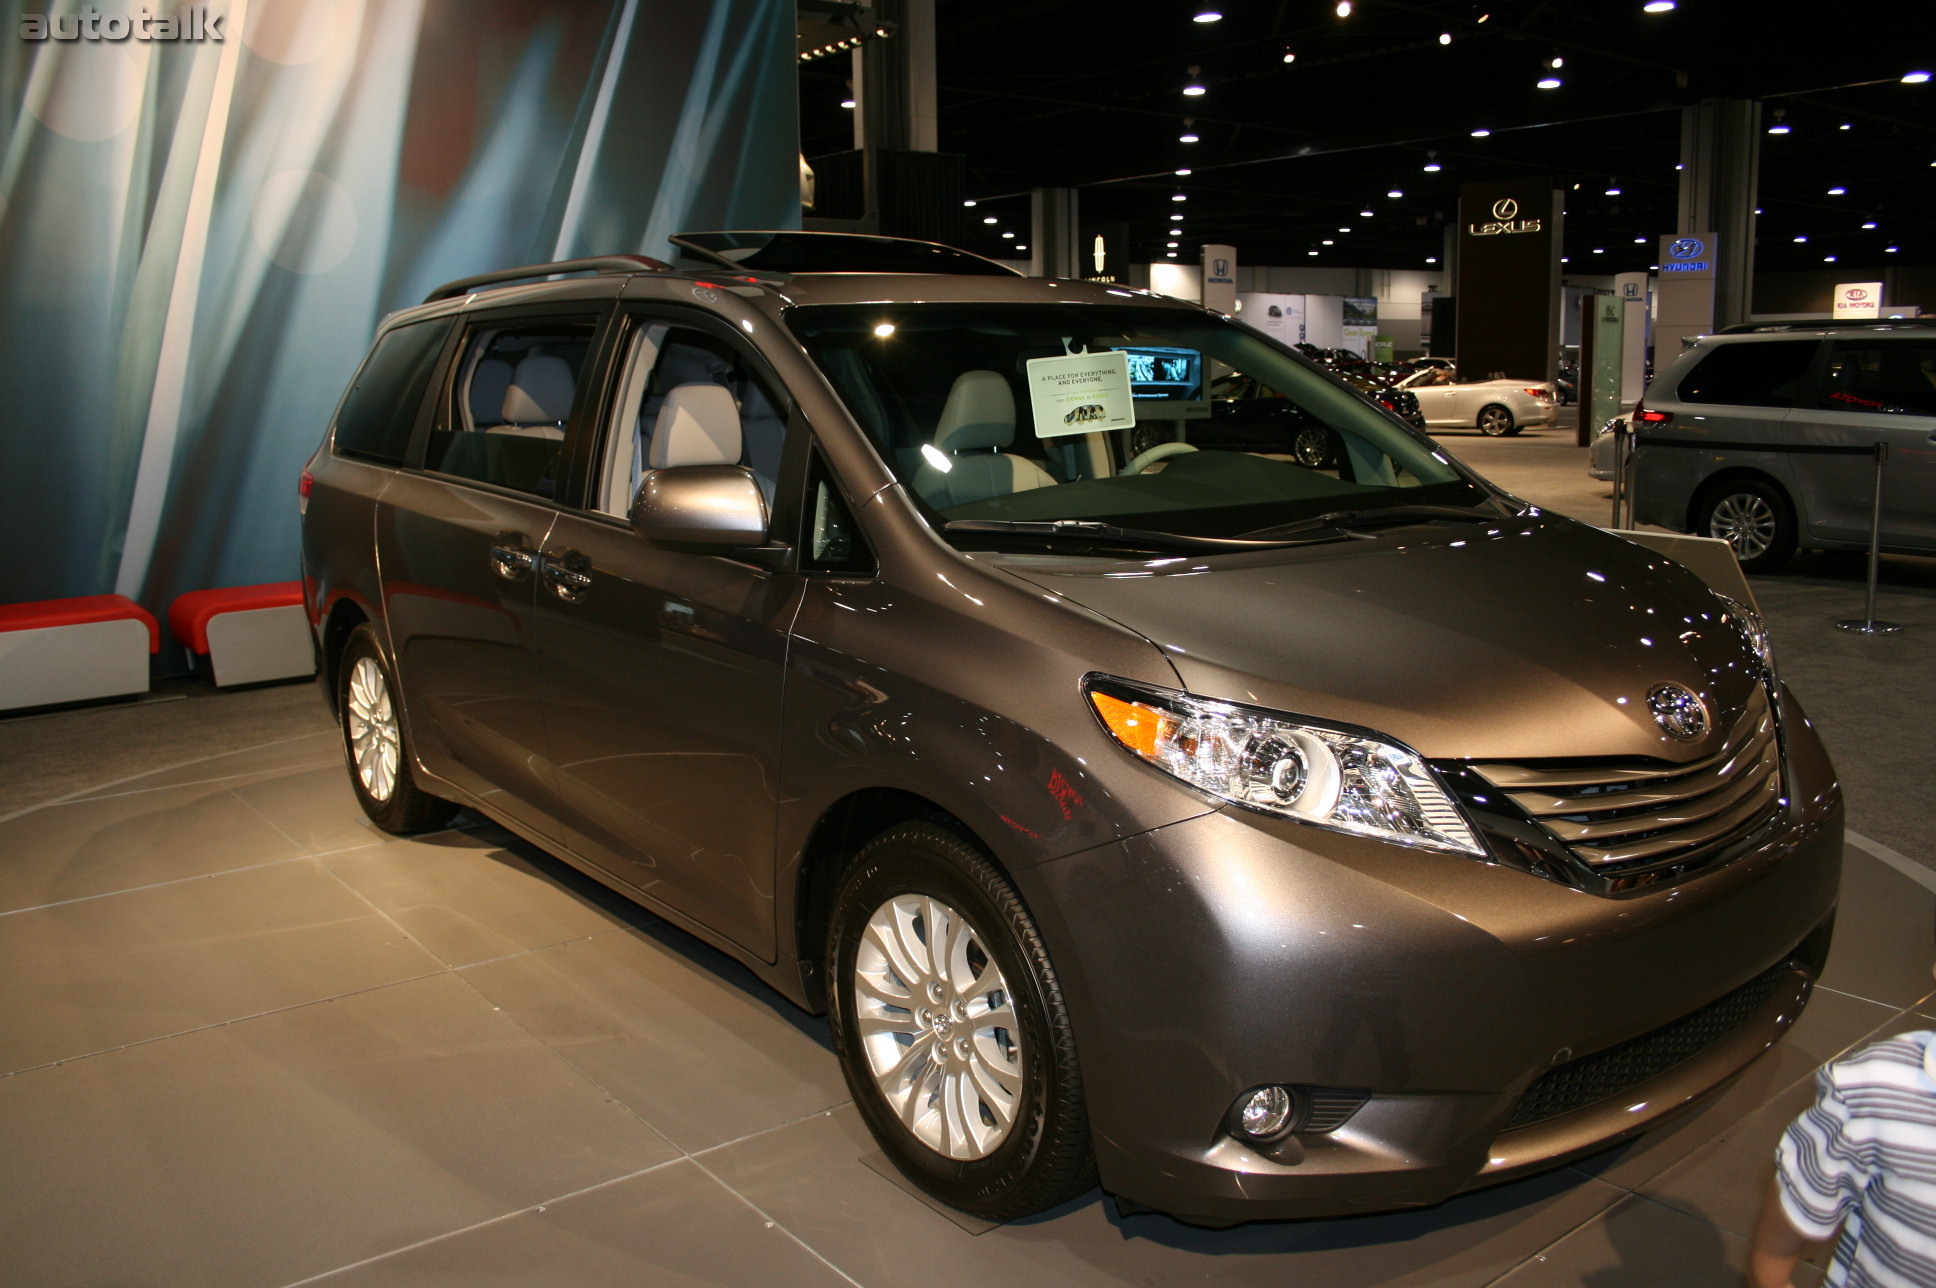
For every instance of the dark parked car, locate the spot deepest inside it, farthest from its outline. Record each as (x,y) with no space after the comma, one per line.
(1259,838)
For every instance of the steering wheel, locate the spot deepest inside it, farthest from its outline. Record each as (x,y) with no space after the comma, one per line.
(1150,456)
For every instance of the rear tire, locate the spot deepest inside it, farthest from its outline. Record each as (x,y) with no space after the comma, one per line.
(1754,517)
(1313,448)
(950,1027)
(1496,421)
(368,707)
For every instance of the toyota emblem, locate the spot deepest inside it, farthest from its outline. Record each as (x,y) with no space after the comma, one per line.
(1678,710)
(1687,248)
(1505,208)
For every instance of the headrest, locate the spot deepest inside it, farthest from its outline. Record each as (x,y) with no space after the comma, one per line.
(489,383)
(540,391)
(697,425)
(980,412)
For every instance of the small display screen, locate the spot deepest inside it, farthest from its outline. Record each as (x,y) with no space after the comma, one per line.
(1165,373)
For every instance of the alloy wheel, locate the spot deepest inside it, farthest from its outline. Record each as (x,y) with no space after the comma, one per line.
(937,1024)
(375,743)
(1745,521)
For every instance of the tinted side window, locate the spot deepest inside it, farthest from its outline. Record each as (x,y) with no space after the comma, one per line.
(1897,377)
(510,403)
(834,542)
(378,412)
(1768,374)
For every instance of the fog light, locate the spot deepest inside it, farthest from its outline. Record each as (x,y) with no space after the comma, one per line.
(1265,1113)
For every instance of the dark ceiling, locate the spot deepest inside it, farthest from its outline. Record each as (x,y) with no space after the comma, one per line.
(1088,94)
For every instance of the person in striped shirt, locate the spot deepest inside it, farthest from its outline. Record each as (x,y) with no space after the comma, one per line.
(1861,1160)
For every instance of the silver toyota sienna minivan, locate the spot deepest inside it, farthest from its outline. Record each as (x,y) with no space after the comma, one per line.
(1145,804)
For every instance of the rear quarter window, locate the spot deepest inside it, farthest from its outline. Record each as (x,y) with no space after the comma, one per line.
(380,409)
(1771,373)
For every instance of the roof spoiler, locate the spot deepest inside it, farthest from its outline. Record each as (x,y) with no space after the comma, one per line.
(590,264)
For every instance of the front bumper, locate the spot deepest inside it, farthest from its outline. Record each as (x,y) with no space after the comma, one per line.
(1236,950)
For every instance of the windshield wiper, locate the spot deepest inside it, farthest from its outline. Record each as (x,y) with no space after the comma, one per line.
(1388,516)
(1095,532)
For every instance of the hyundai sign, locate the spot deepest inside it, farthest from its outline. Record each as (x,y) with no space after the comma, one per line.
(1687,255)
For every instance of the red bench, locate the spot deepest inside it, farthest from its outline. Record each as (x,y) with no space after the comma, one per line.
(74,650)
(248,633)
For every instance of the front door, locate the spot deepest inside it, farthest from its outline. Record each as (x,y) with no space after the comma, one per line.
(662,668)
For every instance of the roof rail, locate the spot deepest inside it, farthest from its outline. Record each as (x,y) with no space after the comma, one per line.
(1824,324)
(590,264)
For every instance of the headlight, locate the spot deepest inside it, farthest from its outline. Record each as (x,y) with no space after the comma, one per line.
(1351,781)
(1754,633)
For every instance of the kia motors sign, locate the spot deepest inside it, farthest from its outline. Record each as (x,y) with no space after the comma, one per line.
(1858,300)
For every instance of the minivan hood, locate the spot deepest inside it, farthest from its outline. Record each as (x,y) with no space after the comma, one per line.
(1526,638)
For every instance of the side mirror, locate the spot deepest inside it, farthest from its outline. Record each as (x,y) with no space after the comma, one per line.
(701,505)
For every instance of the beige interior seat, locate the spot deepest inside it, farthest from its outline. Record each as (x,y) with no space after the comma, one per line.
(538,401)
(697,425)
(978,416)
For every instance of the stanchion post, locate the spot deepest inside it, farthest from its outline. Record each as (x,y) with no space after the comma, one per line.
(1869,625)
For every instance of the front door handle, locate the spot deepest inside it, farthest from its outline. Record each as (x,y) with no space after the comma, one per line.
(511,559)
(568,573)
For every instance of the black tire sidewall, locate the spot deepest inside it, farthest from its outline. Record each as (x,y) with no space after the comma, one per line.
(929,860)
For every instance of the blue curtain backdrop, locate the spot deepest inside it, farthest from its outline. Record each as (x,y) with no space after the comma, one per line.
(197,239)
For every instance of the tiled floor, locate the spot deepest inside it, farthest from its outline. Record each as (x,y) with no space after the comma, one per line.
(246,1039)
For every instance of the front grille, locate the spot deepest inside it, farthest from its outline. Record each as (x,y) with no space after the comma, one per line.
(1605,1074)
(1622,817)
(1327,1109)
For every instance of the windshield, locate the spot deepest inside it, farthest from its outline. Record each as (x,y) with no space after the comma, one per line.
(1165,420)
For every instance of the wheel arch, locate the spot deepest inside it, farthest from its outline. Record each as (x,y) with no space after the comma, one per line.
(345,615)
(1718,480)
(837,836)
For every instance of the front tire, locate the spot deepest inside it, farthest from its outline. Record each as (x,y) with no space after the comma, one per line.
(367,708)
(1496,421)
(1755,518)
(951,1030)
(1313,448)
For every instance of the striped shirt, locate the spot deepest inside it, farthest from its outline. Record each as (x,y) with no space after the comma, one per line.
(1863,1159)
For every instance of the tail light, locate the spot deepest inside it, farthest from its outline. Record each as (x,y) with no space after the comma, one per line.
(1544,395)
(1642,416)
(303,486)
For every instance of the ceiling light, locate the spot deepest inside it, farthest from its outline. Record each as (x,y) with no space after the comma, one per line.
(1828,259)
(1565,260)
(1889,250)
(1549,82)
(1328,242)
(1909,78)
(1344,11)
(1185,170)
(1658,6)
(1778,129)
(1289,57)
(1170,254)
(989,219)
(969,204)
(847,103)
(1640,241)
(1800,240)
(1445,37)
(1394,193)
(1207,15)
(1186,137)
(1365,213)
(1310,252)
(1433,167)
(1556,62)
(1180,197)
(1613,191)
(1431,259)
(1870,224)
(1653,268)
(1344,230)
(883,329)
(1599,250)
(1780,126)
(1172,245)
(1176,217)
(1482,133)
(1021,248)
(1838,192)
(1009,236)
(1193,91)
(1845,126)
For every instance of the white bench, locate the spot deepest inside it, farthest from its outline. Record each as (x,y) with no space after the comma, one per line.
(249,634)
(74,650)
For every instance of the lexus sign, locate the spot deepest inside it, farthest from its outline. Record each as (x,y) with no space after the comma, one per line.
(1505,221)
